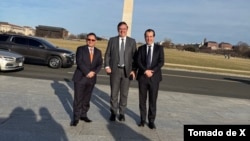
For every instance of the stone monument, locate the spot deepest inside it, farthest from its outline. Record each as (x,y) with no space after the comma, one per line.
(128,14)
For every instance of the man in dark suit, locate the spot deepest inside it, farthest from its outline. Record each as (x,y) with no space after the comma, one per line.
(121,66)
(89,62)
(150,59)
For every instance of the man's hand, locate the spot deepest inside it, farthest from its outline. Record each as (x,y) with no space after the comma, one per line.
(132,74)
(90,74)
(149,73)
(108,70)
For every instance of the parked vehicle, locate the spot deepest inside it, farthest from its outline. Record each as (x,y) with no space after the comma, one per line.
(10,61)
(37,50)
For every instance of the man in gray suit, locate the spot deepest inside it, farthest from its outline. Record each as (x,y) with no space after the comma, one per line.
(120,64)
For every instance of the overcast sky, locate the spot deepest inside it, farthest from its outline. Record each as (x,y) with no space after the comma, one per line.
(182,21)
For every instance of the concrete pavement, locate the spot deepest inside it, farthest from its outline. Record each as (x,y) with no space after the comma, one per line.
(41,110)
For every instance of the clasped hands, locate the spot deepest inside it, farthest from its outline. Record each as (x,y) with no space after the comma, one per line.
(90,74)
(149,73)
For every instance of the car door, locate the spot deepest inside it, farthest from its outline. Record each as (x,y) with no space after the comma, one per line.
(37,51)
(20,45)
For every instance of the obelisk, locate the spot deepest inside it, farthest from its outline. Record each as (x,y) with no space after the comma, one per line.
(128,14)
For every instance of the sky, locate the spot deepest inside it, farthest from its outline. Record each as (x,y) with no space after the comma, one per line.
(181,21)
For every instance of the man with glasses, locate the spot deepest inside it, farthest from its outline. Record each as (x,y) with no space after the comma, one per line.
(120,65)
(89,62)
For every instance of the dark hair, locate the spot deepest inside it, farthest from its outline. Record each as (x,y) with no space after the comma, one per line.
(149,30)
(121,23)
(91,33)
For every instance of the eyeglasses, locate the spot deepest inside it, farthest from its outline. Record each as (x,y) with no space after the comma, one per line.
(93,40)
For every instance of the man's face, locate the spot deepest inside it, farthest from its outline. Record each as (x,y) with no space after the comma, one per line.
(91,40)
(149,37)
(122,30)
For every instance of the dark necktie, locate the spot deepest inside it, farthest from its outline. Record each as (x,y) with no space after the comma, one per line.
(149,57)
(121,54)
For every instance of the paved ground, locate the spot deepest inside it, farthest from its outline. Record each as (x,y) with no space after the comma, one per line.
(40,110)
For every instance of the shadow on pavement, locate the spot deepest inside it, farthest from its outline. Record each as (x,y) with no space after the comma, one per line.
(119,130)
(239,80)
(22,124)
(62,91)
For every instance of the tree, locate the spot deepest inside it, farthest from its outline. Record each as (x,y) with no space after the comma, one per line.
(72,36)
(167,43)
(82,36)
(243,47)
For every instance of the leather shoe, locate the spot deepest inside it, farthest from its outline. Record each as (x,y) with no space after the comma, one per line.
(112,117)
(74,123)
(151,125)
(86,119)
(121,117)
(141,124)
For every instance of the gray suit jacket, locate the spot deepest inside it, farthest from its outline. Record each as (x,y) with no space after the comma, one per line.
(111,57)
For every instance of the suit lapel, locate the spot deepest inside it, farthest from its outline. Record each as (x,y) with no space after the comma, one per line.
(126,47)
(116,47)
(95,55)
(154,57)
(145,54)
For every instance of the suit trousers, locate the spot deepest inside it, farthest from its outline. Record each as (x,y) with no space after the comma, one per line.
(82,97)
(148,88)
(119,84)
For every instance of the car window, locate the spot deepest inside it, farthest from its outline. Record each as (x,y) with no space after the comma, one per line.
(34,43)
(20,40)
(4,37)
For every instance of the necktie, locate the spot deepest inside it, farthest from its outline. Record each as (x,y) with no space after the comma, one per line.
(91,55)
(149,57)
(121,53)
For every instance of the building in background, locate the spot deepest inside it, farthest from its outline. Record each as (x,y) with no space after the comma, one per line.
(211,45)
(225,46)
(51,32)
(6,27)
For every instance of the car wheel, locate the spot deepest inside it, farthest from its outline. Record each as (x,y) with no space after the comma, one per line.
(55,62)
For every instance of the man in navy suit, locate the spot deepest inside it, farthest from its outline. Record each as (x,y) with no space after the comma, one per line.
(150,60)
(120,64)
(89,62)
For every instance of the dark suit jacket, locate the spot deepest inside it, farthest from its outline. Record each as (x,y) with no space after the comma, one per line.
(84,66)
(112,54)
(156,64)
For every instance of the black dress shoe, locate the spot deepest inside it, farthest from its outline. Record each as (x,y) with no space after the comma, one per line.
(74,123)
(141,124)
(112,117)
(121,117)
(151,125)
(86,119)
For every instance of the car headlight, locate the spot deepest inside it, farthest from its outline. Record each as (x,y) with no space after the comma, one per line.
(67,55)
(7,58)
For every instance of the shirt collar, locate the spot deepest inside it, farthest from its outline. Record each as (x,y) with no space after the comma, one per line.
(91,48)
(120,38)
(152,45)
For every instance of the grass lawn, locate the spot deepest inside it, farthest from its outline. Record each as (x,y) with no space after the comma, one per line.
(180,59)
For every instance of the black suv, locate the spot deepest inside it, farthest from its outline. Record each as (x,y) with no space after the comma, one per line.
(37,50)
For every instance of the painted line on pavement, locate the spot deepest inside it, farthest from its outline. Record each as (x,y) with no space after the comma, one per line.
(211,79)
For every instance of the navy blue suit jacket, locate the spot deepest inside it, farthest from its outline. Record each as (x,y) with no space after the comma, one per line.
(156,64)
(84,66)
